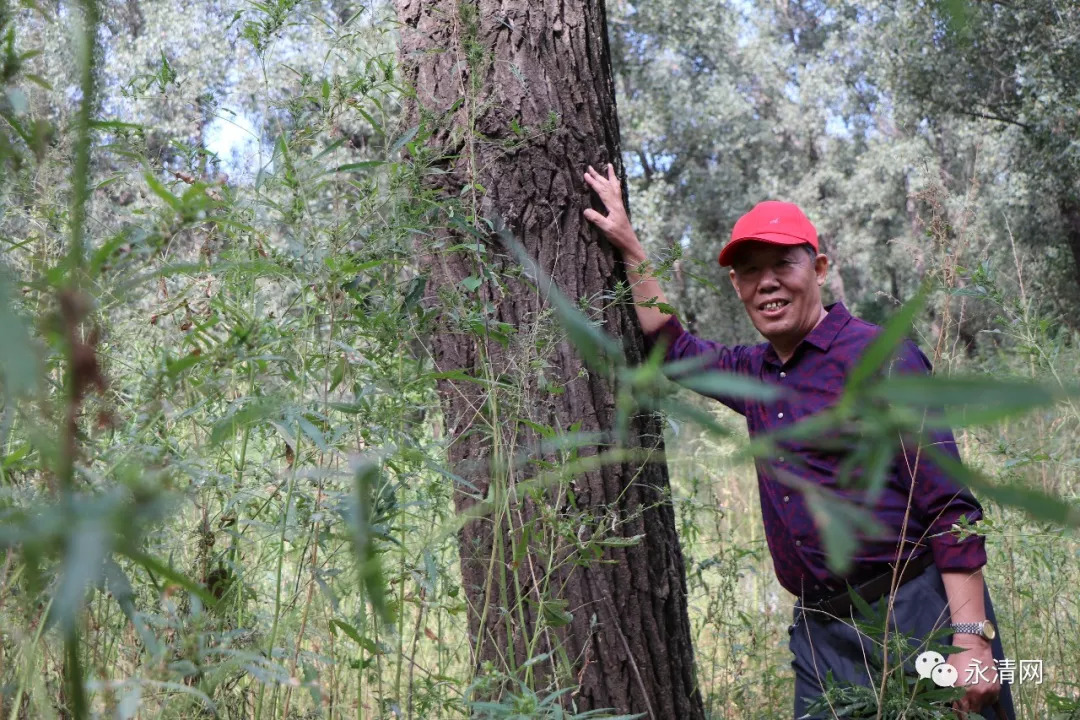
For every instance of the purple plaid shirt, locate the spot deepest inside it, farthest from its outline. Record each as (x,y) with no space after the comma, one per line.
(815,377)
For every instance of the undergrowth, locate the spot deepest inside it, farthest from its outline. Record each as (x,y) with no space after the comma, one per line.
(223,490)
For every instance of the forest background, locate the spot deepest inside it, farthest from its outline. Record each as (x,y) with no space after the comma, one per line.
(223,483)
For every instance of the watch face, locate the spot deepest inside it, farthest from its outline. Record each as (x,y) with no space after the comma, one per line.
(988,630)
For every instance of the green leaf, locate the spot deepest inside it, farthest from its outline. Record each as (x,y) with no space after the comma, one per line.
(356,637)
(689,413)
(357,166)
(329,149)
(1037,503)
(368,565)
(837,532)
(597,347)
(20,451)
(251,413)
(620,541)
(103,253)
(38,80)
(861,606)
(18,361)
(969,400)
(415,293)
(937,391)
(82,566)
(119,586)
(163,192)
(731,385)
(174,368)
(471,283)
(405,137)
(337,374)
(838,521)
(115,125)
(883,346)
(555,613)
(375,124)
(155,566)
(309,429)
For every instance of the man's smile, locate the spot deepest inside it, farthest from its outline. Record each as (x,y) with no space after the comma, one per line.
(773,308)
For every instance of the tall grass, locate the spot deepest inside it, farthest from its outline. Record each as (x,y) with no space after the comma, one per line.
(222,487)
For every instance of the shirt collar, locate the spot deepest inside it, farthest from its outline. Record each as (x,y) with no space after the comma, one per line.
(821,336)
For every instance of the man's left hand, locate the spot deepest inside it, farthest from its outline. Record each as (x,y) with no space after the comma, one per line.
(982,688)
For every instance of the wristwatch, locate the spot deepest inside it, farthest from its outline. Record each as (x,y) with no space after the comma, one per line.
(982,629)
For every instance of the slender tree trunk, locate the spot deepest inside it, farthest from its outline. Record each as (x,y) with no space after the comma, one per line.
(1070,211)
(517,97)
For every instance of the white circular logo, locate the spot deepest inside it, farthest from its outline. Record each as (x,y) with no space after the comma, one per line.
(932,665)
(944,675)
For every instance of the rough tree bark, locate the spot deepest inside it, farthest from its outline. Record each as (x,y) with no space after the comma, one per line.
(518,98)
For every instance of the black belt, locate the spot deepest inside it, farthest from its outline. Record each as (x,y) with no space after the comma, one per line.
(874,588)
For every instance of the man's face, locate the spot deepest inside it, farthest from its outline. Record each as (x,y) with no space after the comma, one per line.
(780,286)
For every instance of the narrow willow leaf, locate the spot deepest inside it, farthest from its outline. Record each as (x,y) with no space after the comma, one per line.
(555,613)
(162,192)
(860,604)
(990,398)
(101,256)
(837,533)
(620,541)
(313,433)
(405,137)
(155,566)
(82,566)
(357,166)
(685,366)
(251,413)
(355,636)
(731,385)
(175,368)
(884,345)
(596,346)
(119,586)
(1037,503)
(329,149)
(18,362)
(535,659)
(689,413)
(364,533)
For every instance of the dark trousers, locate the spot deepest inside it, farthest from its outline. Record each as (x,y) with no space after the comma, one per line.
(821,643)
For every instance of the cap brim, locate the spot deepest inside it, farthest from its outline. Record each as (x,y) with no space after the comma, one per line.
(729,250)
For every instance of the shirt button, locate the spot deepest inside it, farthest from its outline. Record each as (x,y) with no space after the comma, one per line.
(779,415)
(798,543)
(783,374)
(817,587)
(787,498)
(781,458)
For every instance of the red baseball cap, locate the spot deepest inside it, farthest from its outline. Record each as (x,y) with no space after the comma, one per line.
(771,221)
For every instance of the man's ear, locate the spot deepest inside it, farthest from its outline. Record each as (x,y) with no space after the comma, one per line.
(731,276)
(821,268)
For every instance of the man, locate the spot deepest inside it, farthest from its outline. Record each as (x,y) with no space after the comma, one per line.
(777,273)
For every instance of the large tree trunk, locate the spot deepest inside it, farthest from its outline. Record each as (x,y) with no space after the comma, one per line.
(518,98)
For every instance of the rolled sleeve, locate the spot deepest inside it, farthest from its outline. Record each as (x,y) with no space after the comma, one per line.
(670,333)
(717,357)
(941,502)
